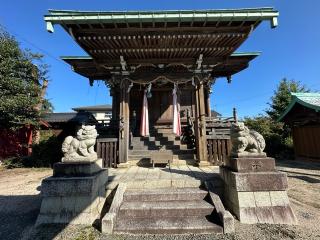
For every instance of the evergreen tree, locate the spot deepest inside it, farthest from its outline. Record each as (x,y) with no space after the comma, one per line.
(282,97)
(21,84)
(276,134)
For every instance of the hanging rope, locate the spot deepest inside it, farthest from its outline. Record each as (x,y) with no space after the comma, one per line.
(156,79)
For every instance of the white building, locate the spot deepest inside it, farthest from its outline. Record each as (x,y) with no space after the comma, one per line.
(102,113)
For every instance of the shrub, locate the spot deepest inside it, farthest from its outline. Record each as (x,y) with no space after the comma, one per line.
(13,162)
(277,145)
(46,153)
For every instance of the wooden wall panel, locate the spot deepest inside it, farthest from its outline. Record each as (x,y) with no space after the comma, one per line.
(306,140)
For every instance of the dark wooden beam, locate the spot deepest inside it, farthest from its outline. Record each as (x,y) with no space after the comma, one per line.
(157,30)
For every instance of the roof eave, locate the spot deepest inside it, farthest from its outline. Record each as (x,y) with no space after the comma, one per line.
(235,54)
(291,105)
(74,17)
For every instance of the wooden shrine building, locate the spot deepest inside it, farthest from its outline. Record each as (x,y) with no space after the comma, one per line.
(151,53)
(302,115)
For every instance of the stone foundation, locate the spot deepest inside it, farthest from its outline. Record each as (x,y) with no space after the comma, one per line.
(255,192)
(74,194)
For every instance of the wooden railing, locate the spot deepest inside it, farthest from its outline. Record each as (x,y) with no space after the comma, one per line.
(219,148)
(107,149)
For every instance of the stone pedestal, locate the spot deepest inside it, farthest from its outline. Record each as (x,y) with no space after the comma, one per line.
(255,192)
(74,194)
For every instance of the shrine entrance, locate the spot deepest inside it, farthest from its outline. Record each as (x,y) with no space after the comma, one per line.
(134,51)
(160,67)
(159,106)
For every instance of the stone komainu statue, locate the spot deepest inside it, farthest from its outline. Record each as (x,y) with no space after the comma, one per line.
(245,141)
(81,147)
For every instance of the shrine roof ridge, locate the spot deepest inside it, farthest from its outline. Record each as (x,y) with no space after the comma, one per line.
(244,14)
(79,12)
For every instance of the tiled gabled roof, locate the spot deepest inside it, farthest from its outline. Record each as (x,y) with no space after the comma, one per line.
(308,100)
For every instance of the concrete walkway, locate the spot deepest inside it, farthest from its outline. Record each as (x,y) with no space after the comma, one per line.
(162,177)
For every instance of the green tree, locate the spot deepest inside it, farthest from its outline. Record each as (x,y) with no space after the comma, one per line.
(23,83)
(276,134)
(282,97)
(272,132)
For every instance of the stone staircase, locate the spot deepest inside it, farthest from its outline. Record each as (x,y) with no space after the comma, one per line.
(161,139)
(166,211)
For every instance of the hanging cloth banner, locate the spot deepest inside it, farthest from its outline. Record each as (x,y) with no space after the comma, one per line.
(176,112)
(144,125)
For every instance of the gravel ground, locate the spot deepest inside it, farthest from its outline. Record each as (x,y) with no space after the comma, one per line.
(20,202)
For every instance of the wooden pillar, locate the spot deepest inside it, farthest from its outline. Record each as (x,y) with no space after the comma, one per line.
(200,128)
(208,102)
(196,121)
(124,131)
(115,105)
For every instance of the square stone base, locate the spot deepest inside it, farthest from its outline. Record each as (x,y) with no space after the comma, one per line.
(73,200)
(77,169)
(257,197)
(243,164)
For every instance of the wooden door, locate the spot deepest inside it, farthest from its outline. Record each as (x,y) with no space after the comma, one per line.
(160,107)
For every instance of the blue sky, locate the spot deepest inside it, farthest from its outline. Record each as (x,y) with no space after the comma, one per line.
(290,51)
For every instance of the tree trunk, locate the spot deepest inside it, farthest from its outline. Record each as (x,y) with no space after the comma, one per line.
(38,107)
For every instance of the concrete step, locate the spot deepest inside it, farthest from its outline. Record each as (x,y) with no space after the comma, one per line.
(164,225)
(165,209)
(166,194)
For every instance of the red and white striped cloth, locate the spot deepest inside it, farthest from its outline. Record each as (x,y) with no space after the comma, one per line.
(144,125)
(176,112)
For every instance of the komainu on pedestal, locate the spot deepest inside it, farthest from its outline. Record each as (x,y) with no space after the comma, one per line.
(253,189)
(81,147)
(76,191)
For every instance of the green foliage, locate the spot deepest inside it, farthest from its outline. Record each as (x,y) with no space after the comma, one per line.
(277,135)
(20,83)
(46,134)
(277,145)
(87,233)
(13,162)
(46,153)
(47,106)
(282,97)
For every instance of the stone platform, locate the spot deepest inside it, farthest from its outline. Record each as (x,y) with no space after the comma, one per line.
(162,177)
(74,194)
(255,192)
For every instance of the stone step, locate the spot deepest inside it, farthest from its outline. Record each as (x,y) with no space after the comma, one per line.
(158,147)
(164,225)
(164,130)
(188,159)
(155,147)
(166,194)
(157,141)
(157,137)
(185,156)
(166,209)
(147,153)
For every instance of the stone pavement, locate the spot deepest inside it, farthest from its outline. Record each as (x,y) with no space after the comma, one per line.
(174,176)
